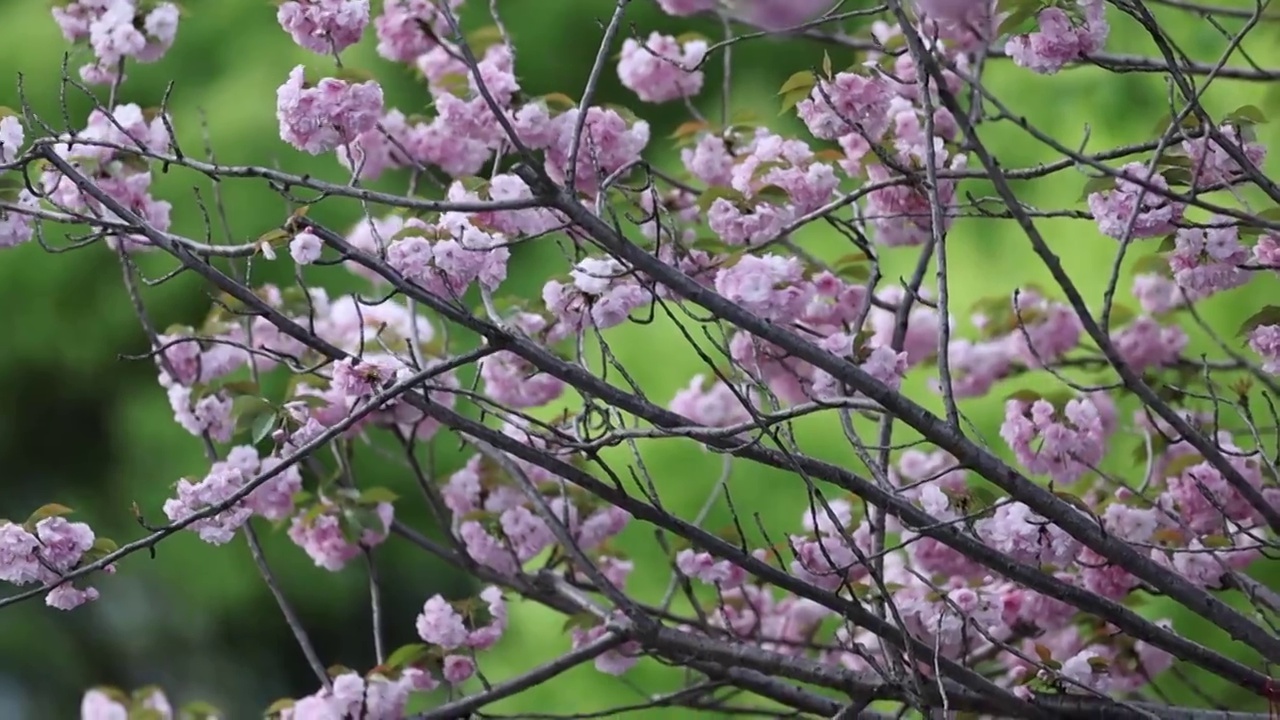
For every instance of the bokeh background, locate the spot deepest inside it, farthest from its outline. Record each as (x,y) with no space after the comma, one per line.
(81,426)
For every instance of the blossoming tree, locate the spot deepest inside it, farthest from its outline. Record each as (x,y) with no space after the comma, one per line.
(952,575)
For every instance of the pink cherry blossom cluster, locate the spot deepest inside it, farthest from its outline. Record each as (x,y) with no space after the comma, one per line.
(662,68)
(110,150)
(1061,39)
(324,26)
(503,528)
(116,30)
(453,634)
(16,228)
(48,546)
(1135,208)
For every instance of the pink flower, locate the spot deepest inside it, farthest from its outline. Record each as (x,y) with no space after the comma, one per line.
(1206,261)
(1062,444)
(1211,165)
(216,488)
(975,367)
(439,624)
(710,569)
(716,406)
(1206,500)
(514,382)
(1018,531)
(273,499)
(1046,330)
(781,14)
(458,669)
(1265,340)
(1267,251)
(483,638)
(359,379)
(682,8)
(1115,209)
(98,705)
(1146,343)
(12,135)
(1157,293)
(829,562)
(847,104)
(322,537)
(321,117)
(736,225)
(607,143)
(324,26)
(1058,42)
(709,160)
(768,286)
(966,23)
(923,326)
(115,30)
(661,69)
(305,248)
(17,228)
(614,662)
(902,214)
(409,28)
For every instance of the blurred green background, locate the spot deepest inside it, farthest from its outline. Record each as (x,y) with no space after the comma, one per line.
(85,428)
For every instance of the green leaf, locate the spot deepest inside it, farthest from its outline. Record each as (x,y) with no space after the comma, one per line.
(1247,114)
(1022,14)
(1122,314)
(375,495)
(582,621)
(200,710)
(690,128)
(47,511)
(559,100)
(254,416)
(771,194)
(1177,176)
(1155,263)
(711,194)
(1270,215)
(692,36)
(241,387)
(1027,396)
(712,245)
(1168,244)
(274,238)
(1097,185)
(804,80)
(1176,466)
(1216,542)
(1269,315)
(407,655)
(853,267)
(365,518)
(353,75)
(1076,501)
(1190,122)
(826,65)
(279,706)
(791,99)
(484,38)
(262,427)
